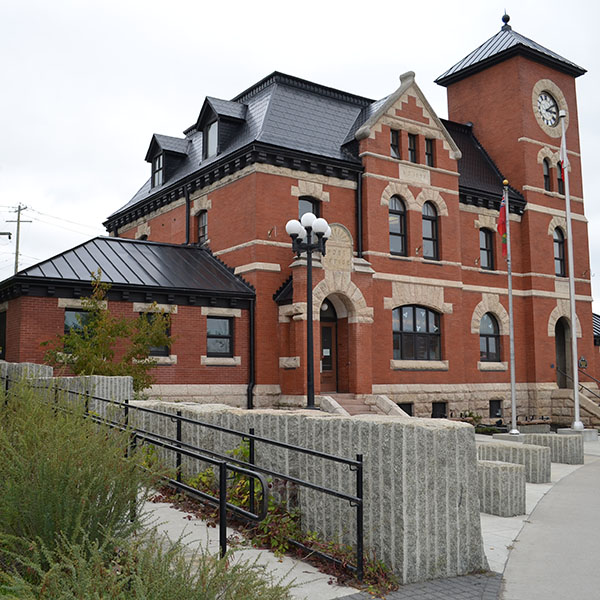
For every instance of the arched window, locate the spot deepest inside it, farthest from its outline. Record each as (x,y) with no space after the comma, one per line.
(307,204)
(489,339)
(547,179)
(416,332)
(559,253)
(430,232)
(397,220)
(486,249)
(560,180)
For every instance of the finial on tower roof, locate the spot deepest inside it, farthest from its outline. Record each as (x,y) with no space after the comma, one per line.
(505,20)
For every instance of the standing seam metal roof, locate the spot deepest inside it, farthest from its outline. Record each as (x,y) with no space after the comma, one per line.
(142,263)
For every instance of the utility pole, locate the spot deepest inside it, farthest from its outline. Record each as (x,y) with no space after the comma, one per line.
(18,210)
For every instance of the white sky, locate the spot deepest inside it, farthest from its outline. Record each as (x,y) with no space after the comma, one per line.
(85,84)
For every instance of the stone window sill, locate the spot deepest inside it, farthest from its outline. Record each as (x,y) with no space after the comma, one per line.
(221,361)
(419,365)
(161,361)
(492,366)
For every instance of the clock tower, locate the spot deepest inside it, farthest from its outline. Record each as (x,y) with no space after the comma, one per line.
(511,90)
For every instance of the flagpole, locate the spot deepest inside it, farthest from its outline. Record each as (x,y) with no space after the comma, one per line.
(511,327)
(577,424)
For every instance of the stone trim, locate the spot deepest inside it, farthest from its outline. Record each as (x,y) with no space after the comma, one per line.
(77,303)
(531,188)
(553,211)
(340,284)
(258,266)
(221,361)
(490,303)
(492,366)
(289,362)
(433,196)
(310,188)
(548,85)
(562,309)
(399,189)
(486,222)
(430,295)
(392,389)
(545,152)
(215,311)
(200,204)
(253,243)
(540,143)
(389,179)
(289,312)
(418,365)
(152,215)
(480,210)
(397,160)
(142,307)
(559,222)
(143,229)
(4,306)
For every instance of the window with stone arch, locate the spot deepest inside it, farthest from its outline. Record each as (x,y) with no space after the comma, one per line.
(560,269)
(547,178)
(430,232)
(397,226)
(489,339)
(416,333)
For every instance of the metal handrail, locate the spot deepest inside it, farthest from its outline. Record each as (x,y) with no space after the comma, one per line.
(581,386)
(588,375)
(225,463)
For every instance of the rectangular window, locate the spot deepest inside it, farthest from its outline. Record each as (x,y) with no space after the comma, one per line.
(412,147)
(395,143)
(486,249)
(438,410)
(429,146)
(202,227)
(219,336)
(158,350)
(157,170)
(495,409)
(407,407)
(210,140)
(75,319)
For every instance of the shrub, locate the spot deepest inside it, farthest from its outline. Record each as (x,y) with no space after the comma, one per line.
(63,474)
(146,568)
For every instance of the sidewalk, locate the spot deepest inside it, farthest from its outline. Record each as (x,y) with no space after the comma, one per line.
(551,553)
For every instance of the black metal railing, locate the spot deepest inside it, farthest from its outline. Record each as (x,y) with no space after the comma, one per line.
(227,463)
(581,386)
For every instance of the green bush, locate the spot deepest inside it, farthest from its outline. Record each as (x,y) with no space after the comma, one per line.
(145,569)
(62,474)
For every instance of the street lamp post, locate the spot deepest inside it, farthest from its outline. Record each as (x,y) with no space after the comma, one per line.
(301,233)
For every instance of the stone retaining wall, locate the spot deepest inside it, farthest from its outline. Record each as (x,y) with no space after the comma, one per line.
(501,488)
(567,449)
(420,479)
(535,459)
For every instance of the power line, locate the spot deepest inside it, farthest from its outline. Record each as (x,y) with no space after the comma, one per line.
(62,219)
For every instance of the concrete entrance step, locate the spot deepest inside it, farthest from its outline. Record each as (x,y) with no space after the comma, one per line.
(353,405)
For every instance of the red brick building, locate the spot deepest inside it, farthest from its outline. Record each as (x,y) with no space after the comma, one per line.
(411,298)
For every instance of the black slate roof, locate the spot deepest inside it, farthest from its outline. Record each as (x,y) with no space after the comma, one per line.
(479,175)
(150,265)
(281,111)
(167,143)
(505,44)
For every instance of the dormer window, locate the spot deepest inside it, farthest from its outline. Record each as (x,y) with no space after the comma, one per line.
(157,170)
(210,139)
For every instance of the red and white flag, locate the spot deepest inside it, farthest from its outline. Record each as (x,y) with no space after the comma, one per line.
(502,224)
(564,159)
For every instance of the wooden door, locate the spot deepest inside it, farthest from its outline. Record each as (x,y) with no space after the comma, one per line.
(328,357)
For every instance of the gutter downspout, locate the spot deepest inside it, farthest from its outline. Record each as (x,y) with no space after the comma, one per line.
(251,366)
(359,219)
(187,214)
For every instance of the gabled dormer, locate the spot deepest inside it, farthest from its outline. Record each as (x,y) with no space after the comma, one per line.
(219,121)
(165,154)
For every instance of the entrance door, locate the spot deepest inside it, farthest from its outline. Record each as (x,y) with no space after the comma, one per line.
(328,357)
(564,372)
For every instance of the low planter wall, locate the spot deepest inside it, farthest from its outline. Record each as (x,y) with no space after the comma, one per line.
(567,449)
(501,488)
(536,459)
(420,479)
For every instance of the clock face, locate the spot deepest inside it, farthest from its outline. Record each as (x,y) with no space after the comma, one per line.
(548,109)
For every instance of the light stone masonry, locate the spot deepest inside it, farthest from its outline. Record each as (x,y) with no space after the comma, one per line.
(501,488)
(535,459)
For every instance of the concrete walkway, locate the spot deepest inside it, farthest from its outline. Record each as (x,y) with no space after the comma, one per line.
(550,553)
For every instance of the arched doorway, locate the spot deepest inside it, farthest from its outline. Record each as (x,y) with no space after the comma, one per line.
(564,368)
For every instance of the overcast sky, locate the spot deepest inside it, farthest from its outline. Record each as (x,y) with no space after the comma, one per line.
(84,85)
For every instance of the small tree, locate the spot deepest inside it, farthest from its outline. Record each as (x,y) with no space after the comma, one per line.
(104,344)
